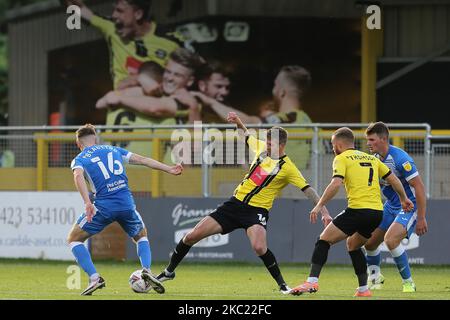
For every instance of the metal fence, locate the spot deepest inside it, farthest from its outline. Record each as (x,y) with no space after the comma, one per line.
(216,159)
(440,167)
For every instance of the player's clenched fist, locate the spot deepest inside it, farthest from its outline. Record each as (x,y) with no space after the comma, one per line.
(232,117)
(176,170)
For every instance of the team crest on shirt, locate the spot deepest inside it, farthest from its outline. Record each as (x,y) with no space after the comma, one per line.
(407,166)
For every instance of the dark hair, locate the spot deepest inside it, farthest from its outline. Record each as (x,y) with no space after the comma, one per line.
(298,77)
(152,69)
(86,130)
(215,66)
(278,133)
(188,59)
(143,5)
(345,134)
(379,128)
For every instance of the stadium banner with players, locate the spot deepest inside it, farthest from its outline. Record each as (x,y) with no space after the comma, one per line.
(36,224)
(290,234)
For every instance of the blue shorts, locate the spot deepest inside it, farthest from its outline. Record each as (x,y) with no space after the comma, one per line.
(406,219)
(130,221)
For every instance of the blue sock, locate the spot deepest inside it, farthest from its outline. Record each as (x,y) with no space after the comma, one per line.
(83,257)
(401,260)
(373,261)
(144,252)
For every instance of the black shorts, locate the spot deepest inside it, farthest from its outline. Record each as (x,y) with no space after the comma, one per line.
(234,214)
(363,221)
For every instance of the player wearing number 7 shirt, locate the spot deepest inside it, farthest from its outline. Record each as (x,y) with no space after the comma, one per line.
(103,167)
(248,208)
(359,172)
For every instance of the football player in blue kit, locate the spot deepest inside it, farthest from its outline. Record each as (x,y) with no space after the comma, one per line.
(396,224)
(103,167)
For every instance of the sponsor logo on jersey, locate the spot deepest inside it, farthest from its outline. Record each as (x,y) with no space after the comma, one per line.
(258,176)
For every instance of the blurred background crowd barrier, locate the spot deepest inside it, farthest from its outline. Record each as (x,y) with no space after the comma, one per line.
(38,158)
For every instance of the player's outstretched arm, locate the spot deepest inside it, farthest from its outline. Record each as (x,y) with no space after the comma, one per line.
(407,204)
(112,98)
(329,193)
(128,82)
(86,13)
(223,110)
(234,118)
(153,164)
(163,107)
(312,195)
(82,188)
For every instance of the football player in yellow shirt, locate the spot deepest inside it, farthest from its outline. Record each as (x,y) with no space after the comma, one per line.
(248,208)
(174,102)
(133,38)
(290,86)
(360,173)
(175,105)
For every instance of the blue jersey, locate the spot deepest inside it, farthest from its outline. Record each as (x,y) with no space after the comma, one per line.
(104,171)
(403,166)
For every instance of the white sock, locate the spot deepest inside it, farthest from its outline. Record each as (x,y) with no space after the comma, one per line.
(94,277)
(373,252)
(397,252)
(363,288)
(312,279)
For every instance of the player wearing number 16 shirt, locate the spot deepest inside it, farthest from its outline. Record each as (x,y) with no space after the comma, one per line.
(102,166)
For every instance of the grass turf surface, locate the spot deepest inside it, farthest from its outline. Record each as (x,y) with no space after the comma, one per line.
(31,279)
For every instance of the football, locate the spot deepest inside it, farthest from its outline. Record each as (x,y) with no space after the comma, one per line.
(138,284)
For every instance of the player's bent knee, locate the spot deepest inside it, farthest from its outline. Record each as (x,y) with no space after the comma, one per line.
(74,238)
(370,246)
(76,234)
(71,237)
(352,246)
(192,238)
(259,249)
(391,243)
(140,235)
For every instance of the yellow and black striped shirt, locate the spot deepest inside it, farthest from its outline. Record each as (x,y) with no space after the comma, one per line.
(267,177)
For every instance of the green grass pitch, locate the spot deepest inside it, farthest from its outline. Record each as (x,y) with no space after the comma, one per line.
(31,279)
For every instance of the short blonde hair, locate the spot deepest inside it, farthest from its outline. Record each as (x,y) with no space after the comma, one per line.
(86,130)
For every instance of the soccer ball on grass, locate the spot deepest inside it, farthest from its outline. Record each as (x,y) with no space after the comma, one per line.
(138,284)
